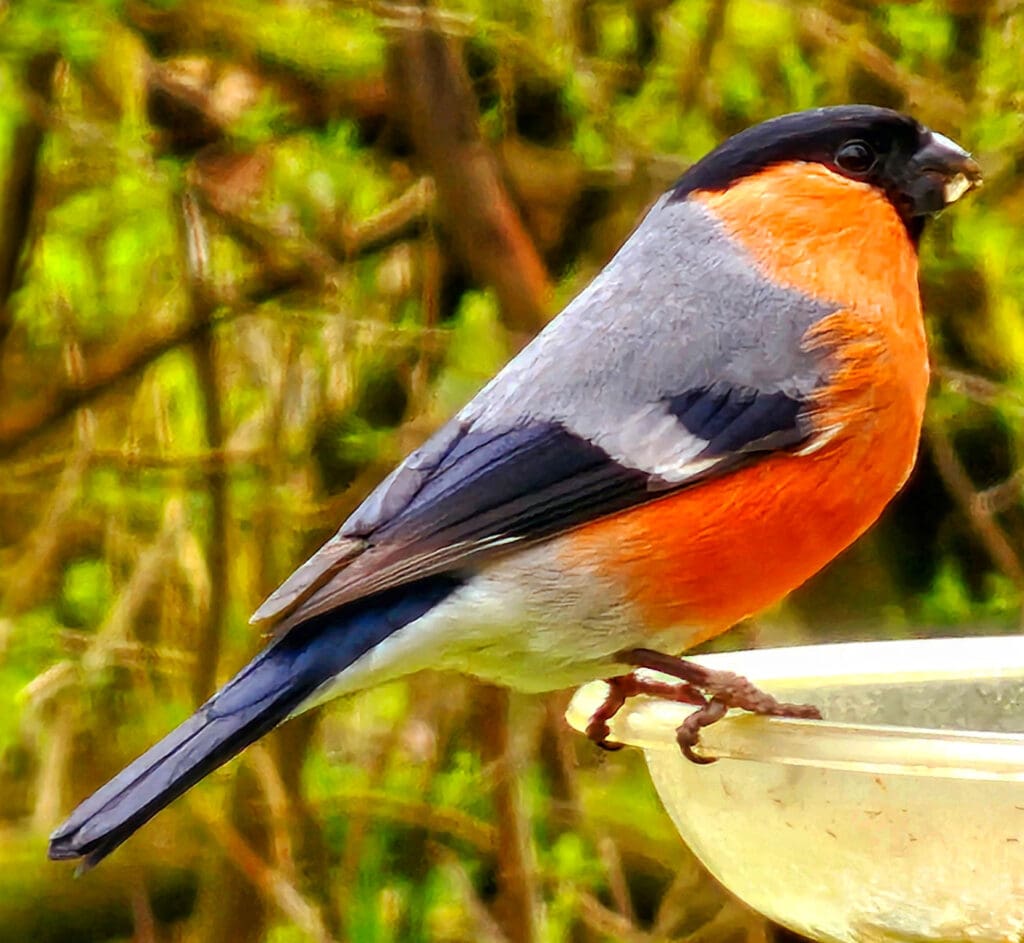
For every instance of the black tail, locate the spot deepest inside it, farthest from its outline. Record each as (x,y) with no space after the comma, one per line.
(265,692)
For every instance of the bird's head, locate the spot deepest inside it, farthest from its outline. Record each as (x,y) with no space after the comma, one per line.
(919,170)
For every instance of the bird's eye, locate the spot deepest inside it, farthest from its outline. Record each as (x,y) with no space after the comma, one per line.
(856,157)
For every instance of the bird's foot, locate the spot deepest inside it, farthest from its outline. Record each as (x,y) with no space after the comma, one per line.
(714,693)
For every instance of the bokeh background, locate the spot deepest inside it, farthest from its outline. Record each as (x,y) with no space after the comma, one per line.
(251,253)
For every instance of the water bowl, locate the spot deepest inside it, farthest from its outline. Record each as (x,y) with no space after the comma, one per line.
(898,817)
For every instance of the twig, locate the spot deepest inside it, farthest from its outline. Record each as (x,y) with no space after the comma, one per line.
(559,759)
(403,218)
(150,571)
(408,17)
(18,186)
(730,918)
(683,896)
(981,389)
(1004,495)
(37,556)
(432,818)
(203,303)
(618,885)
(831,33)
(268,880)
(278,804)
(516,906)
(289,252)
(281,244)
(608,923)
(361,813)
(980,517)
(143,919)
(52,774)
(486,928)
(130,460)
(440,112)
(164,660)
(107,369)
(698,71)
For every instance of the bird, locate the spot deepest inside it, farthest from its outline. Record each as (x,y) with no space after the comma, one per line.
(730,403)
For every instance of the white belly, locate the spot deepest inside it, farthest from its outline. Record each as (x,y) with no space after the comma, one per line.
(522,622)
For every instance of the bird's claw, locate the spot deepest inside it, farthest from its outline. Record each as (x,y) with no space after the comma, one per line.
(688,732)
(713,692)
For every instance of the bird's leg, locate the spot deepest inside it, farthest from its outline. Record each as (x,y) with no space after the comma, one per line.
(626,686)
(724,690)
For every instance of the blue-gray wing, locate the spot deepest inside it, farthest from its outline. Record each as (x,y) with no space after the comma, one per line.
(678,363)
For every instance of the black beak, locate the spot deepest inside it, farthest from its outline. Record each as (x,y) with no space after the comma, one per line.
(939,174)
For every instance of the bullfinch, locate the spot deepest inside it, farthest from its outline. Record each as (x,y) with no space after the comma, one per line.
(729,404)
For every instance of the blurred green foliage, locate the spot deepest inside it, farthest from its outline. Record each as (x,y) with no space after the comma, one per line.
(238,298)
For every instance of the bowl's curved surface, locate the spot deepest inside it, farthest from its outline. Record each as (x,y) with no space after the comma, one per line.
(899,817)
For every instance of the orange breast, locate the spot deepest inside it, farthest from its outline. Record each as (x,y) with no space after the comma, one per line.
(710,555)
(727,548)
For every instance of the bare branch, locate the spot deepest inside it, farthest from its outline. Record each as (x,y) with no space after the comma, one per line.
(981,517)
(516,906)
(441,116)
(610,924)
(436,819)
(37,556)
(484,925)
(981,389)
(268,880)
(107,369)
(828,31)
(18,186)
(204,355)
